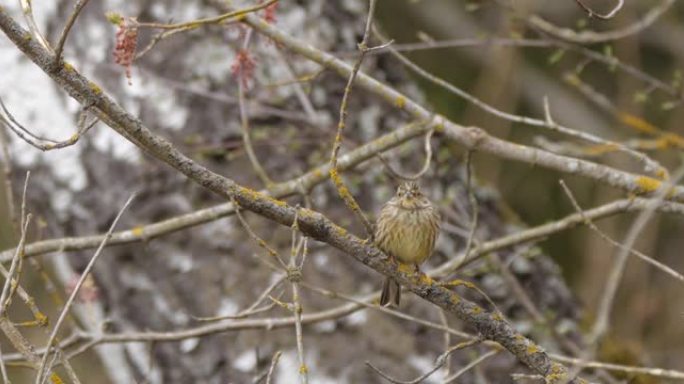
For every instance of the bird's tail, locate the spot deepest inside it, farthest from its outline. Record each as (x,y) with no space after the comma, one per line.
(391,293)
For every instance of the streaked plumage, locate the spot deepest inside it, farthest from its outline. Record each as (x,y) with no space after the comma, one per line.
(406,229)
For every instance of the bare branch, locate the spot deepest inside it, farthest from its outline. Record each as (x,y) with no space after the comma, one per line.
(662,267)
(423,170)
(45,144)
(340,185)
(80,4)
(44,367)
(650,165)
(592,37)
(441,360)
(607,16)
(7,289)
(171,29)
(244,119)
(274,362)
(3,370)
(471,365)
(27,10)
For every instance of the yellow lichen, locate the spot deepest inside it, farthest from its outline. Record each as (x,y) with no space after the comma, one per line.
(602,149)
(647,184)
(256,195)
(137,231)
(95,88)
(343,191)
(277,202)
(41,319)
(638,123)
(674,139)
(341,231)
(497,316)
(662,173)
(572,79)
(400,102)
(558,374)
(68,67)
(425,279)
(55,379)
(476,310)
(303,212)
(303,369)
(458,283)
(532,349)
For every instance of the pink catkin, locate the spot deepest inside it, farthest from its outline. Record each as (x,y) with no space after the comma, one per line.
(243,67)
(270,13)
(126,45)
(89,291)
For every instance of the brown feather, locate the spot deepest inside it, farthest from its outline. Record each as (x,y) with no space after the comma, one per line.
(406,229)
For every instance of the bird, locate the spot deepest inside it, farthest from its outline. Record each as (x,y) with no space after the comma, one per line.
(406,230)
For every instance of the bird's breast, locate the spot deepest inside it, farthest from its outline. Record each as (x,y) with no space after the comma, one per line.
(410,236)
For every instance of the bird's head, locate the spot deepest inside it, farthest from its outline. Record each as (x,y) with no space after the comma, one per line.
(409,196)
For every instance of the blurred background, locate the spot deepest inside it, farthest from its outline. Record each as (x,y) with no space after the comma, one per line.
(186,89)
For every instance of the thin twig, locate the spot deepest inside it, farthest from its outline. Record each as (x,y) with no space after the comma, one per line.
(301,95)
(526,301)
(447,341)
(439,362)
(43,369)
(6,296)
(271,369)
(614,278)
(27,10)
(545,230)
(610,290)
(80,4)
(625,369)
(589,223)
(650,165)
(244,121)
(463,43)
(426,165)
(238,14)
(294,275)
(16,261)
(474,206)
(261,242)
(7,173)
(607,16)
(252,309)
(342,189)
(593,37)
(41,143)
(11,285)
(471,365)
(3,370)
(172,29)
